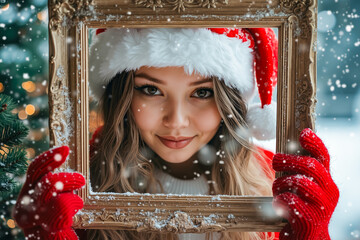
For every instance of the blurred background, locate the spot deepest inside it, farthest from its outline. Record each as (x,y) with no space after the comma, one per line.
(24,76)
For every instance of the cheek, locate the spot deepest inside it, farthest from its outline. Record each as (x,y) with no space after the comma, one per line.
(208,119)
(146,116)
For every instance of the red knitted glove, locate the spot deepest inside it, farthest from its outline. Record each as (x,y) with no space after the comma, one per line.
(308,196)
(46,203)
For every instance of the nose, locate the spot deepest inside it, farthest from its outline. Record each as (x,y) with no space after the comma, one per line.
(176,116)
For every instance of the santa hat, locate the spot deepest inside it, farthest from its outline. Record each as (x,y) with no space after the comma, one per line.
(231,54)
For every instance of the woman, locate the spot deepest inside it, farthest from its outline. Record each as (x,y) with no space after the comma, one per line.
(171,96)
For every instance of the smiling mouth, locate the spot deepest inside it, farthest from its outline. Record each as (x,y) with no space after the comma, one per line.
(175,142)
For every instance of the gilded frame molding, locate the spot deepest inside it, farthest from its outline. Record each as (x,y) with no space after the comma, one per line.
(69,21)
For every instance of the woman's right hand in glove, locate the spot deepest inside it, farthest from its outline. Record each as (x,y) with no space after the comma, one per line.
(46,204)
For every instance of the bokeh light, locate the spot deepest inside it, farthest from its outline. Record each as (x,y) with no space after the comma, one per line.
(22,115)
(43,16)
(29,86)
(5,7)
(30,153)
(30,109)
(10,223)
(326,21)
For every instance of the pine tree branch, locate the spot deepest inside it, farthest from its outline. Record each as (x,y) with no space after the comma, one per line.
(6,106)
(14,162)
(6,184)
(10,195)
(13,133)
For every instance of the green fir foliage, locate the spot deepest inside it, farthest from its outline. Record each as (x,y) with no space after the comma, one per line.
(24,58)
(12,131)
(13,160)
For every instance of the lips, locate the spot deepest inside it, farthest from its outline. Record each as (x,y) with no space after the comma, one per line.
(175,142)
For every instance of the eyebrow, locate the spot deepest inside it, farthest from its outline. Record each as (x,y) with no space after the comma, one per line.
(201,81)
(144,75)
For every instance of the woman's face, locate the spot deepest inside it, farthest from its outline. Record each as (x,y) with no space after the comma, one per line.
(176,113)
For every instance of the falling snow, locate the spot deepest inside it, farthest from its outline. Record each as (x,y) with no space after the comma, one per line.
(338,121)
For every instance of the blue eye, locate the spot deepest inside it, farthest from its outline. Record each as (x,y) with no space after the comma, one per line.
(203,93)
(149,90)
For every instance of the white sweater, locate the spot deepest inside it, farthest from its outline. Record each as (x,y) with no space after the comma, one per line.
(196,186)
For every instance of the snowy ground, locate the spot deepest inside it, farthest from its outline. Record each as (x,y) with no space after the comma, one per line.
(342,137)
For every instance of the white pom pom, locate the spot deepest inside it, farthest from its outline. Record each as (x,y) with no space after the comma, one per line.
(262,121)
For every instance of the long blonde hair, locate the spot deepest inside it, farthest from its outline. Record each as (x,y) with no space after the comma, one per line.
(123,159)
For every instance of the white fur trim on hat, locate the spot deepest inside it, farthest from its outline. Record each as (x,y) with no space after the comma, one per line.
(197,50)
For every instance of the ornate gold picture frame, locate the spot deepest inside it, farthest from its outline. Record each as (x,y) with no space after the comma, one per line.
(69,22)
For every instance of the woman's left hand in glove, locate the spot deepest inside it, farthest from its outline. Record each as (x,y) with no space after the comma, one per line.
(307,197)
